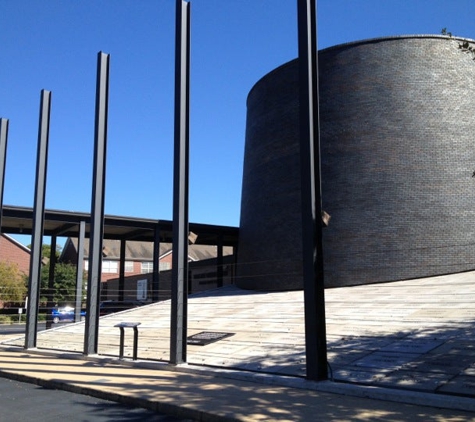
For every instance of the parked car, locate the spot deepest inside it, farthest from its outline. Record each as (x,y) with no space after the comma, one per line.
(111,306)
(65,313)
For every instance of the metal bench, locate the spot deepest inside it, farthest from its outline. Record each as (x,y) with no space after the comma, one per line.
(133,325)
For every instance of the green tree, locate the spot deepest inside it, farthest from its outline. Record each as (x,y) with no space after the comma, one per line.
(64,290)
(12,284)
(46,251)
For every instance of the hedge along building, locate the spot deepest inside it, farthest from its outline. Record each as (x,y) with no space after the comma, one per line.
(397,124)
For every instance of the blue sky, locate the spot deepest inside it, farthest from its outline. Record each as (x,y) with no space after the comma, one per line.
(53,45)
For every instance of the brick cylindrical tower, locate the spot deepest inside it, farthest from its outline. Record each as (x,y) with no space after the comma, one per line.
(397,122)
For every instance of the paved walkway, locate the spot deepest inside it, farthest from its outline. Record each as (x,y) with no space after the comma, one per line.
(219,396)
(403,337)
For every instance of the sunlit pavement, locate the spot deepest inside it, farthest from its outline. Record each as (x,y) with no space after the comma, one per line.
(218,395)
(414,335)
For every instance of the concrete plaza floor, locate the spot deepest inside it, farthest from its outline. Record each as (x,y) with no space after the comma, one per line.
(411,336)
(212,395)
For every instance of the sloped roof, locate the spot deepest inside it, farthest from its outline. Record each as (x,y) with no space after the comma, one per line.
(199,252)
(143,251)
(16,243)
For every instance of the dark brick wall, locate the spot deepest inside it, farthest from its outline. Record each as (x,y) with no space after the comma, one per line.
(268,252)
(398,151)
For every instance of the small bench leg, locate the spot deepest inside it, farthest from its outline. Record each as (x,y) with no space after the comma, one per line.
(136,341)
(121,347)
(122,326)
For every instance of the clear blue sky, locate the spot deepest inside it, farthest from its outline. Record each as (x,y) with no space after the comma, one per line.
(53,45)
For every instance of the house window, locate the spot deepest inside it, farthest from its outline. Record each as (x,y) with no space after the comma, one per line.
(107,266)
(129,266)
(164,266)
(110,266)
(147,267)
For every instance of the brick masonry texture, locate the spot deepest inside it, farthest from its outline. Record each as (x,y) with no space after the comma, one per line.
(397,124)
(12,252)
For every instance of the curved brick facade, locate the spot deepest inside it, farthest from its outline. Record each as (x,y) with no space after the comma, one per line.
(397,120)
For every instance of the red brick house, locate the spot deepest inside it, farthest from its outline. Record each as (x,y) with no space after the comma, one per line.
(13,252)
(138,256)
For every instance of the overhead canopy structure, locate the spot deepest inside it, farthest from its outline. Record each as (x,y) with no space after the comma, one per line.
(19,220)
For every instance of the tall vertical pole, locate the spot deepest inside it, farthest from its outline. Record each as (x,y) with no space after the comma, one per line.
(3,158)
(51,273)
(91,332)
(219,262)
(314,293)
(156,265)
(180,186)
(38,221)
(123,244)
(80,271)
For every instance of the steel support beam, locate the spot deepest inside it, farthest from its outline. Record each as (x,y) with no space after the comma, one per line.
(64,229)
(80,271)
(180,186)
(91,334)
(123,244)
(51,273)
(156,266)
(38,221)
(314,293)
(3,158)
(219,262)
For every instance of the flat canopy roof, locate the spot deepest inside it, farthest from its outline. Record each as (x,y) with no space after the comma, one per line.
(19,220)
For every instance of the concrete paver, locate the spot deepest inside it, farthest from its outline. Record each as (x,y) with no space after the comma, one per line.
(414,336)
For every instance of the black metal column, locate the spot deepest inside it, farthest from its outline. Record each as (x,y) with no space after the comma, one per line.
(80,271)
(156,266)
(38,221)
(180,186)
(3,158)
(91,333)
(51,272)
(123,244)
(315,330)
(219,262)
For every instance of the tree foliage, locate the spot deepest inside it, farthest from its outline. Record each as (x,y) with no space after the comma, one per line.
(46,251)
(64,286)
(12,284)
(445,32)
(465,46)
